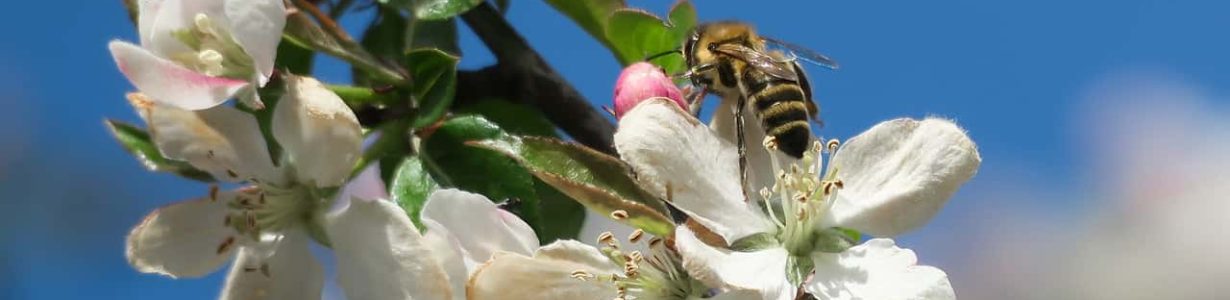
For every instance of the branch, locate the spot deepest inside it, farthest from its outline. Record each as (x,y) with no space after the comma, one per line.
(522,75)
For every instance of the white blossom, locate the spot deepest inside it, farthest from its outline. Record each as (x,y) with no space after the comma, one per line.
(884,182)
(195,54)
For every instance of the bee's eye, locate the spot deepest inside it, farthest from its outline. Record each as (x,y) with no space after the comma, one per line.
(711,46)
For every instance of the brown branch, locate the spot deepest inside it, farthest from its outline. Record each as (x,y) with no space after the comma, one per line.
(325,21)
(522,75)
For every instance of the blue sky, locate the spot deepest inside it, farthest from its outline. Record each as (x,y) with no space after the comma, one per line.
(1012,73)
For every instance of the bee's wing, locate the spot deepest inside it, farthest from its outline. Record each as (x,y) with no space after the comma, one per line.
(803,53)
(759,60)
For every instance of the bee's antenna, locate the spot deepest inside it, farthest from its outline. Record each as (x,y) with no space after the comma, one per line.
(665,53)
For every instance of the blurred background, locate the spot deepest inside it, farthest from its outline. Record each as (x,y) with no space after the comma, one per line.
(1104,127)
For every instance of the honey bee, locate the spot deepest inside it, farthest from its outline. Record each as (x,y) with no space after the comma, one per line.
(729,59)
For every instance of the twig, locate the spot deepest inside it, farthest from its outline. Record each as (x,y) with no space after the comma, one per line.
(325,21)
(522,75)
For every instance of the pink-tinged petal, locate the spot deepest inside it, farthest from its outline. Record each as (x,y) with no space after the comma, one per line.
(222,140)
(547,275)
(762,271)
(877,269)
(479,225)
(257,25)
(185,239)
(380,254)
(670,149)
(641,81)
(169,83)
(319,133)
(899,173)
(289,272)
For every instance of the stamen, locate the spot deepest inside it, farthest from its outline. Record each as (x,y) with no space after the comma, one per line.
(213,193)
(581,275)
(226,245)
(636,235)
(202,22)
(833,144)
(619,214)
(608,238)
(770,142)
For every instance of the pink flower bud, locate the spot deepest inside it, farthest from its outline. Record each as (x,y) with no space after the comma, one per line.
(642,81)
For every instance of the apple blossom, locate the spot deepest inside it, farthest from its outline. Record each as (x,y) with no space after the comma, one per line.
(641,81)
(884,182)
(265,224)
(196,54)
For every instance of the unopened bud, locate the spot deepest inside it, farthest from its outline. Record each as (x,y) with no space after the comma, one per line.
(641,81)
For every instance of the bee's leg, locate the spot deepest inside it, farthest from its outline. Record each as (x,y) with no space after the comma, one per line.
(694,96)
(742,143)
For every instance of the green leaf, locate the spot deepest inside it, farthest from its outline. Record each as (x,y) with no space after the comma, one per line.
(435,80)
(599,181)
(591,15)
(637,34)
(515,118)
(442,9)
(561,216)
(294,57)
(137,142)
(304,32)
(385,40)
(477,170)
(410,187)
(438,34)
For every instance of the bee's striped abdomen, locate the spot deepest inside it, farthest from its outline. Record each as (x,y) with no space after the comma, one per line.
(781,106)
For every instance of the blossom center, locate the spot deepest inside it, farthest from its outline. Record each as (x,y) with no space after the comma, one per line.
(263,212)
(800,197)
(213,51)
(658,275)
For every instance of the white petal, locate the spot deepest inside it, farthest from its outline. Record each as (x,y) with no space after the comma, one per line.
(479,225)
(759,167)
(320,134)
(899,173)
(547,275)
(667,147)
(222,140)
(257,26)
(877,269)
(185,239)
(169,83)
(763,271)
(447,250)
(147,12)
(380,254)
(288,272)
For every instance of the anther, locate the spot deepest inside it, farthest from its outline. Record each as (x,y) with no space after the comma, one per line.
(636,236)
(231,173)
(607,238)
(265,269)
(654,242)
(817,147)
(202,21)
(213,193)
(581,275)
(619,214)
(832,145)
(225,245)
(770,142)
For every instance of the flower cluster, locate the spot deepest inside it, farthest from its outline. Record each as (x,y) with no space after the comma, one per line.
(295,174)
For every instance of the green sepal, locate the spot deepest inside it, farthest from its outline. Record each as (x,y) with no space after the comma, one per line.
(435,82)
(835,240)
(756,242)
(798,268)
(138,143)
(410,187)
